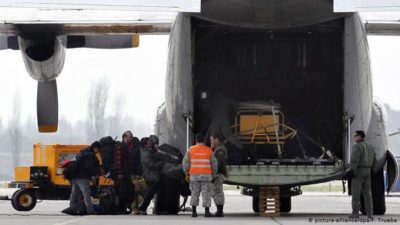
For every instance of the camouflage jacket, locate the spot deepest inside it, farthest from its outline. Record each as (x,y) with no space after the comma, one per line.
(221,154)
(362,156)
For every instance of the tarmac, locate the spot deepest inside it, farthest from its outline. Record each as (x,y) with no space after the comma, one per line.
(309,208)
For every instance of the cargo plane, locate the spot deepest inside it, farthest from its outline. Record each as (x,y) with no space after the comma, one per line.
(287,82)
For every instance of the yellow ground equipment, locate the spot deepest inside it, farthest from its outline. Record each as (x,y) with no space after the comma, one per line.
(44,180)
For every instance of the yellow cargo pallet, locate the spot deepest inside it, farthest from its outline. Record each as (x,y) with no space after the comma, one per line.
(259,127)
(269,203)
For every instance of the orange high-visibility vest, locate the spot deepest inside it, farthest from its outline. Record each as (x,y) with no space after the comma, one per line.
(200,160)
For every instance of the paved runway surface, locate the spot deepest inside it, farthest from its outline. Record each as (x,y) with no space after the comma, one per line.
(306,209)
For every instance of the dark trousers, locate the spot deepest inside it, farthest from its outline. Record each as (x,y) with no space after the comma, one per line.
(153,188)
(124,189)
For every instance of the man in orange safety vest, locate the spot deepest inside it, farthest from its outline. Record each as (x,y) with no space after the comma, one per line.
(200,164)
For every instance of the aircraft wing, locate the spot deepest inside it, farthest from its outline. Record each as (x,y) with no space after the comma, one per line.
(366,5)
(382,23)
(383,27)
(380,17)
(86,17)
(43,29)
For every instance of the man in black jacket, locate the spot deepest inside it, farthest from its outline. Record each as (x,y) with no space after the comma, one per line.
(122,184)
(88,167)
(151,168)
(134,166)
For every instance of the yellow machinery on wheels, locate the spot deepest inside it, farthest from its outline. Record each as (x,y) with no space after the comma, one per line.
(44,180)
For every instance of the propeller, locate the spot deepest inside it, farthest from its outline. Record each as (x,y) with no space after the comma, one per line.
(47,106)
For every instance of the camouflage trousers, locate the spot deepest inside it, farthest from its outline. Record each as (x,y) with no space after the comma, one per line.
(361,183)
(218,190)
(203,187)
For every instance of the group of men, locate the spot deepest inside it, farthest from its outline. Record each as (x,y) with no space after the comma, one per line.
(133,160)
(205,169)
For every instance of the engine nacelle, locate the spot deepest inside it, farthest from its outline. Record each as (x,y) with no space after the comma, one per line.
(43,56)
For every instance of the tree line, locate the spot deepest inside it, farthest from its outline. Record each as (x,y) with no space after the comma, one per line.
(17,135)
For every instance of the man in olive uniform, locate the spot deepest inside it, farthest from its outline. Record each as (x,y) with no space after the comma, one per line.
(361,162)
(200,164)
(220,153)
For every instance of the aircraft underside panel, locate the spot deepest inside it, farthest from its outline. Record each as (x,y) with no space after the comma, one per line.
(179,98)
(357,77)
(267,14)
(376,135)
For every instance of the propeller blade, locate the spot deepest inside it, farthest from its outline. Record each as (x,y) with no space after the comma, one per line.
(47,106)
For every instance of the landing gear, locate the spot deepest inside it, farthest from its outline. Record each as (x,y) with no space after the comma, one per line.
(378,194)
(23,200)
(286,204)
(256,204)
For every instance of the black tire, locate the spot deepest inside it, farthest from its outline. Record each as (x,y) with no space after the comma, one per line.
(256,204)
(378,195)
(286,204)
(23,200)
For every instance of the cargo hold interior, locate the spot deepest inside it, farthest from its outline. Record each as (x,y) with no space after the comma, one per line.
(299,69)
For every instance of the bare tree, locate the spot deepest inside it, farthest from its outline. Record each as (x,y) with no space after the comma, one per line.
(15,129)
(65,128)
(115,122)
(97,103)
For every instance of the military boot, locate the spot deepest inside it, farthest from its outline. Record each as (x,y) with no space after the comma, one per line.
(194,212)
(207,212)
(354,216)
(220,211)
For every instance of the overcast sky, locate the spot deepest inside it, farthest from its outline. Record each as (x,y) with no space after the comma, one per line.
(139,76)
(385,63)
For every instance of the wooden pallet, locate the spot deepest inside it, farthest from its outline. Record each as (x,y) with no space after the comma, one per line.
(269,203)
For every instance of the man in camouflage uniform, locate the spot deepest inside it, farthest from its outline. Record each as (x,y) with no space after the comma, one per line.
(362,161)
(202,166)
(220,153)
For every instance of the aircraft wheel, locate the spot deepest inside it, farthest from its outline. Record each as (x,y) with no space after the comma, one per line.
(378,194)
(23,200)
(286,204)
(256,204)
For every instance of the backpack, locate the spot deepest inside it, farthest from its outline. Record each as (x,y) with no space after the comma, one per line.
(107,154)
(77,209)
(81,156)
(168,153)
(70,170)
(107,141)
